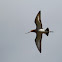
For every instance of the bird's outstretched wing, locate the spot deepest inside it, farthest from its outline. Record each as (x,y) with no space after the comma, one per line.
(38,21)
(38,41)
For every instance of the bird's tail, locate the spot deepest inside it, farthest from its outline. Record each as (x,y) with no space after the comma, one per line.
(47,29)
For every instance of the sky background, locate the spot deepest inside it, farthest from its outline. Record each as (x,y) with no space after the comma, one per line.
(17,17)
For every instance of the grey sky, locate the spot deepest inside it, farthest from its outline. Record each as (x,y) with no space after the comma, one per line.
(17,17)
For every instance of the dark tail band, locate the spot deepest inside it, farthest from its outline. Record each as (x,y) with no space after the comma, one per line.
(47,29)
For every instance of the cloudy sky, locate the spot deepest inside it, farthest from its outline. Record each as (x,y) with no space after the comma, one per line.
(17,17)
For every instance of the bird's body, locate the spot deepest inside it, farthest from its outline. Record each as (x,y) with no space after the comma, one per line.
(39,31)
(42,31)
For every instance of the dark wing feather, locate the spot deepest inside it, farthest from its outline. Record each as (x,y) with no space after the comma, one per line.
(38,41)
(38,21)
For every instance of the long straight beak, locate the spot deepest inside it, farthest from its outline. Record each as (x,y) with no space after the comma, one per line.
(27,32)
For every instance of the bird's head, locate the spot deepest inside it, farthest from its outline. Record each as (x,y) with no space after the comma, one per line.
(31,31)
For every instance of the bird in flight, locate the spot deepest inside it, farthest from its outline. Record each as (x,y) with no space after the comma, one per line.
(39,31)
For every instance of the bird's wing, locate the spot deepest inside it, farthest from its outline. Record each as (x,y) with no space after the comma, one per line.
(38,41)
(38,21)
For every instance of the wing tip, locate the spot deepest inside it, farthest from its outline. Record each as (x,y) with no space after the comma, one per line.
(39,11)
(40,51)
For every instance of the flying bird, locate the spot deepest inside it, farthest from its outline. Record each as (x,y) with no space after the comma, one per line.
(39,31)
